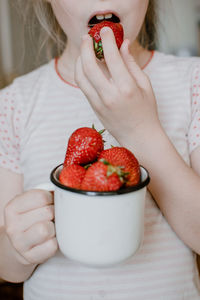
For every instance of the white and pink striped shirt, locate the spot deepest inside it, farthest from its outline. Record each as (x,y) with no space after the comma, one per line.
(38,112)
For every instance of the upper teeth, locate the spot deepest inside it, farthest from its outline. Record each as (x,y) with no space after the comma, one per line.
(102,17)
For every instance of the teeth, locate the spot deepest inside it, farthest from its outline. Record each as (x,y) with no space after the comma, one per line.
(102,17)
(108,16)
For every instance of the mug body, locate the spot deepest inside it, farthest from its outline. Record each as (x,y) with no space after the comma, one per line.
(100,229)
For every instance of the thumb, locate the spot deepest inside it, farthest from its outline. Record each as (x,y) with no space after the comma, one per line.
(132,66)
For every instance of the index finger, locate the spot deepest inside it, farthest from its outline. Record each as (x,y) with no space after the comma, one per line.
(114,61)
(91,69)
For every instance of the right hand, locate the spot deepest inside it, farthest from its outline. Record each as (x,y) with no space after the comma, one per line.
(30,228)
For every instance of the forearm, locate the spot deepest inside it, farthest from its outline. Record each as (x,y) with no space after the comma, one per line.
(10,268)
(174,185)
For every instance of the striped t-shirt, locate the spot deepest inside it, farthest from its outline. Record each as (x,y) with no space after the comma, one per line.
(38,113)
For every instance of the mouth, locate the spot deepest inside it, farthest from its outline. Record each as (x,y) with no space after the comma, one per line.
(100,17)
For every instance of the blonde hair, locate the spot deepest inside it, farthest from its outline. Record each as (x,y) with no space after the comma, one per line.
(148,33)
(53,37)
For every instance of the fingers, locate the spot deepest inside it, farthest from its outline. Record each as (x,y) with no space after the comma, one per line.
(132,66)
(38,234)
(31,230)
(26,220)
(42,252)
(30,201)
(91,69)
(83,82)
(28,244)
(123,69)
(113,59)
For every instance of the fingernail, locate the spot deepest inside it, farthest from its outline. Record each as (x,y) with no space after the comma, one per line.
(105,29)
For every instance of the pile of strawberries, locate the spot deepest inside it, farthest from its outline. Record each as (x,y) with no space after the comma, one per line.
(87,166)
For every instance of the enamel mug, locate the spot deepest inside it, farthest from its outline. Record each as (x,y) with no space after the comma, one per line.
(98,229)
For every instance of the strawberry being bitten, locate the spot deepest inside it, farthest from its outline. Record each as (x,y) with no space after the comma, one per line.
(95,34)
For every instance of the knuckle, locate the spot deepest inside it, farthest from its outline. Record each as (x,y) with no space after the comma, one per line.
(11,227)
(52,229)
(49,212)
(111,100)
(43,230)
(110,103)
(126,90)
(42,196)
(18,242)
(10,231)
(30,259)
(8,210)
(35,194)
(53,245)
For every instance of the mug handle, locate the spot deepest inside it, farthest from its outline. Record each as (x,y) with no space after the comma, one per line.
(47,186)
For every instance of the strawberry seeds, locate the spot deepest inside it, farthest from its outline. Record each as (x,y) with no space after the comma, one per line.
(87,166)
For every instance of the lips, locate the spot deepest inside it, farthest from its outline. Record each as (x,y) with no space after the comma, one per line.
(100,16)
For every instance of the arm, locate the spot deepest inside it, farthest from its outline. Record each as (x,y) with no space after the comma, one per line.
(11,184)
(195,162)
(27,235)
(174,185)
(125,97)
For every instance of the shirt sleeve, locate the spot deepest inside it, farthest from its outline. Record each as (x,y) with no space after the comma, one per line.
(10,128)
(194,129)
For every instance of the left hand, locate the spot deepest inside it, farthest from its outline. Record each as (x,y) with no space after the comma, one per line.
(119,92)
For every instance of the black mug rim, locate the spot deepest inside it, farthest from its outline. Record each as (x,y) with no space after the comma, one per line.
(126,190)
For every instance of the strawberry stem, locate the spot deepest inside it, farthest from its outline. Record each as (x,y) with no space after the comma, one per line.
(98,49)
(87,166)
(101,131)
(104,161)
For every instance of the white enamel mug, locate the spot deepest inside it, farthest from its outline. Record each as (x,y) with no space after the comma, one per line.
(98,229)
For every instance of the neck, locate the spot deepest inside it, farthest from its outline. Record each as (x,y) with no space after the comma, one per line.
(68,59)
(66,64)
(140,54)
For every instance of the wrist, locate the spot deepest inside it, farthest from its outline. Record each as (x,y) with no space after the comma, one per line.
(142,137)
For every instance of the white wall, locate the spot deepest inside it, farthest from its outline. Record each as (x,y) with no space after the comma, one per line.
(178,25)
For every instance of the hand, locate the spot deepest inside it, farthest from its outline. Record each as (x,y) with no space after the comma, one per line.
(119,92)
(30,228)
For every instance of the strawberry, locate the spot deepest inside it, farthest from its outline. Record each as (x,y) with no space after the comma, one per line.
(84,146)
(95,34)
(120,156)
(101,177)
(72,176)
